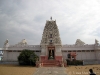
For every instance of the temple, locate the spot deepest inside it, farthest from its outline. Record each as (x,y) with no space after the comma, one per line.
(51,52)
(51,44)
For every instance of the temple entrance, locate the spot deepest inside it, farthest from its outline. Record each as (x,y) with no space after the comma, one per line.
(51,53)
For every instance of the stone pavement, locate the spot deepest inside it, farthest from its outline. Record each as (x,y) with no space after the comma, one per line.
(51,71)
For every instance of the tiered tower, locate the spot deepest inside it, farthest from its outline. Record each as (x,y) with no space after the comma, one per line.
(51,43)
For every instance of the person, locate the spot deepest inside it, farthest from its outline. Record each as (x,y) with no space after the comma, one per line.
(91,72)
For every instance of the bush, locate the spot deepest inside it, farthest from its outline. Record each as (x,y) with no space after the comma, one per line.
(27,57)
(74,62)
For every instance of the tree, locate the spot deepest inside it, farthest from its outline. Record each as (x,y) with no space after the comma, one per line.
(27,57)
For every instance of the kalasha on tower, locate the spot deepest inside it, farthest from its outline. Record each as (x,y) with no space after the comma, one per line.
(51,43)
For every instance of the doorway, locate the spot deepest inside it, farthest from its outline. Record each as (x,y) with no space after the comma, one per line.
(51,53)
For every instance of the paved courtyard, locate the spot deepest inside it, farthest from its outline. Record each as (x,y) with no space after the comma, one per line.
(51,71)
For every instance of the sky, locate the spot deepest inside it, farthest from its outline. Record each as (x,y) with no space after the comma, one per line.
(25,19)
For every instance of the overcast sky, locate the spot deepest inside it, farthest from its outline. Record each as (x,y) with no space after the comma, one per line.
(25,19)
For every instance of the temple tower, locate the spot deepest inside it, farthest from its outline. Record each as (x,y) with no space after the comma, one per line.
(51,42)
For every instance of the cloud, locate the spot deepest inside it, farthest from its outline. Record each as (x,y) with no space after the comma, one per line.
(76,19)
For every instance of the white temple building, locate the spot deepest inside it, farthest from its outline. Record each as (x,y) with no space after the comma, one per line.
(51,47)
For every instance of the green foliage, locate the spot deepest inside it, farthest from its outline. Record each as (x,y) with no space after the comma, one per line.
(27,57)
(75,62)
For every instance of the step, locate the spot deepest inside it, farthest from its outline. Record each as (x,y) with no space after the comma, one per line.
(50,61)
(50,66)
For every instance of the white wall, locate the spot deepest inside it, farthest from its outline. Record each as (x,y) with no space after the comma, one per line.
(98,54)
(64,54)
(13,56)
(10,56)
(78,55)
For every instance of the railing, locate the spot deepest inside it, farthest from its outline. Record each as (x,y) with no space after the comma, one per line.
(21,47)
(86,45)
(24,46)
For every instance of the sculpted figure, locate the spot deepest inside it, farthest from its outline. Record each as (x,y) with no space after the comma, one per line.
(23,42)
(96,42)
(79,42)
(6,42)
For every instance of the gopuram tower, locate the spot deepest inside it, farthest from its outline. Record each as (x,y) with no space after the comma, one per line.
(51,44)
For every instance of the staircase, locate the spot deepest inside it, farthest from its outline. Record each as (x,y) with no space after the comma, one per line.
(51,63)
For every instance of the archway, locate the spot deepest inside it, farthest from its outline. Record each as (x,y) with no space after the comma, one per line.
(51,53)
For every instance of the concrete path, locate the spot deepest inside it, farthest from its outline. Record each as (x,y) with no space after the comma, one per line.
(51,71)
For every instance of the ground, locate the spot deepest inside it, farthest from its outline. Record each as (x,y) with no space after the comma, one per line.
(82,70)
(27,70)
(16,70)
(51,71)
